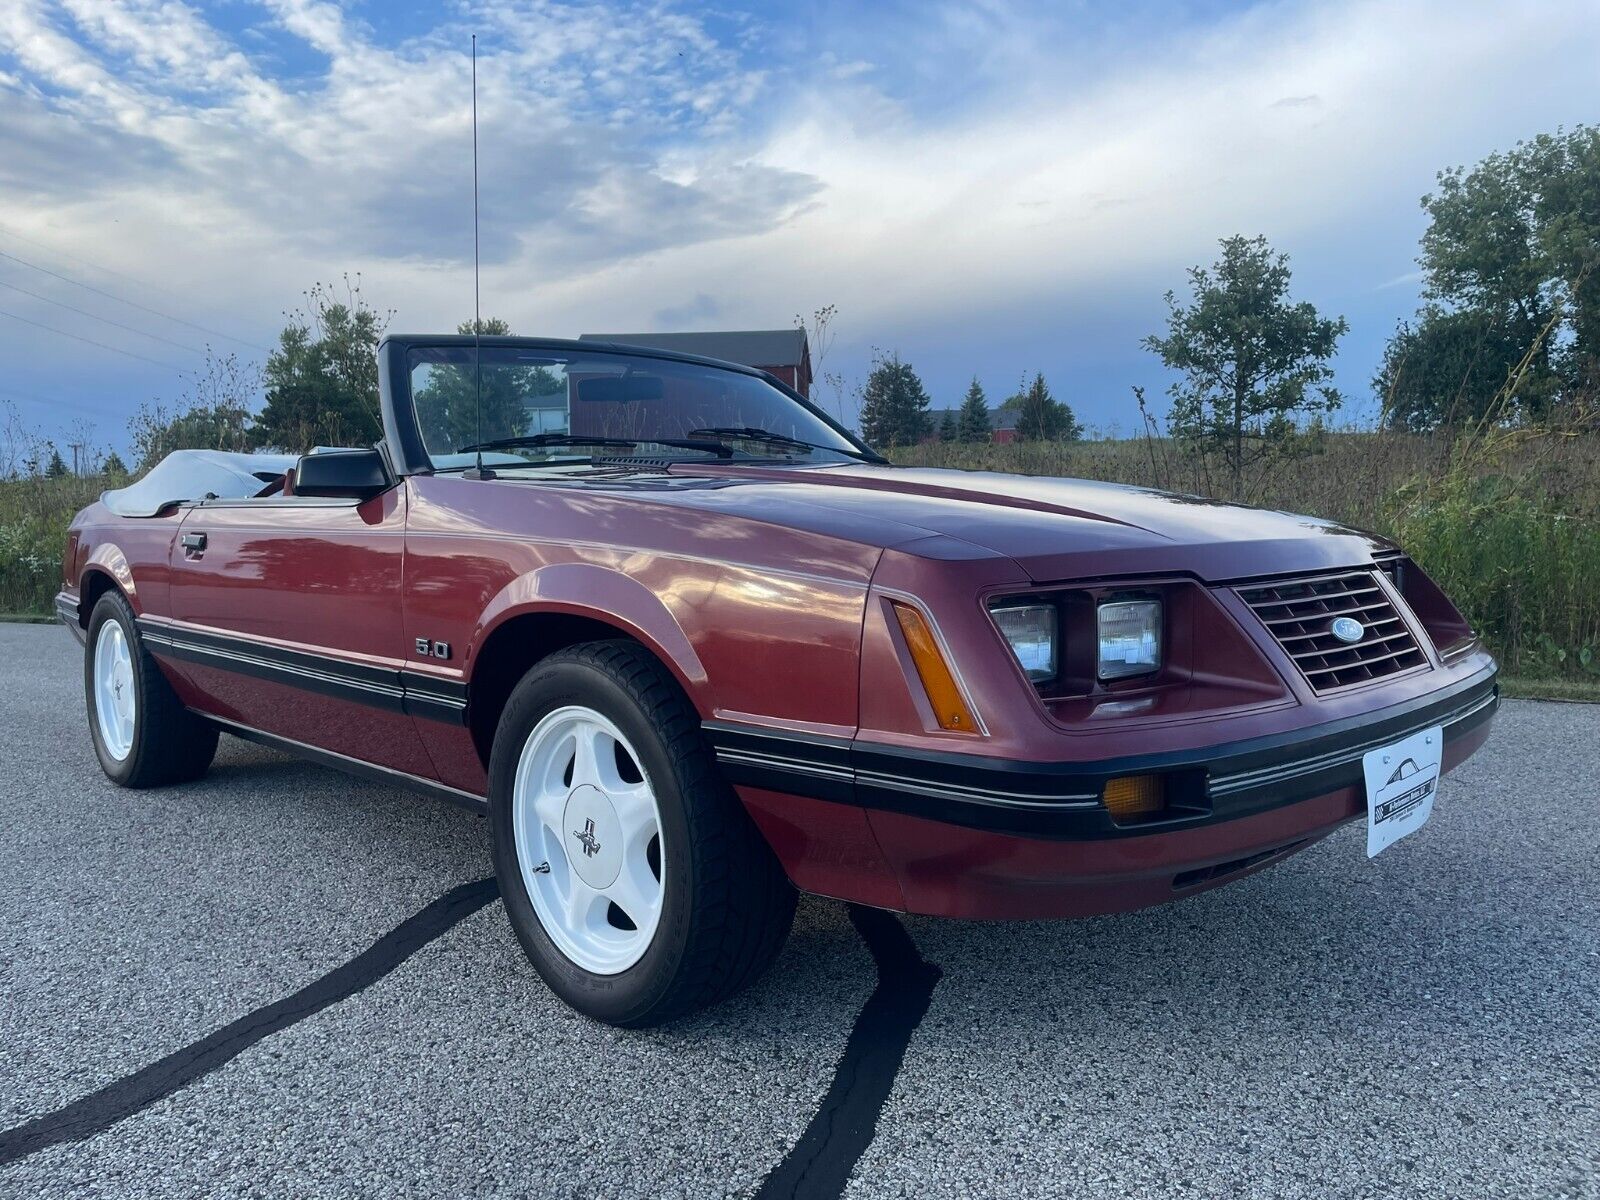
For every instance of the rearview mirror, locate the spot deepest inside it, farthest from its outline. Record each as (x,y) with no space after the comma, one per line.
(351,474)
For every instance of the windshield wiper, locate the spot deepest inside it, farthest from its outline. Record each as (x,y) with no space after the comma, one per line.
(540,440)
(753,434)
(546,439)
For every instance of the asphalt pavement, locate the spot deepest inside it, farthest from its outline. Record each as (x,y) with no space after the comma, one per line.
(1424,1024)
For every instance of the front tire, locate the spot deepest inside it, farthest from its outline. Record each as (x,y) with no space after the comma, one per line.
(143,735)
(634,879)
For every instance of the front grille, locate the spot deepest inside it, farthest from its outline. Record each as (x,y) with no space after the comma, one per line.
(1300,614)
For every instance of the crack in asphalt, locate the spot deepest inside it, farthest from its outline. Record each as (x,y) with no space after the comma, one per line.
(818,1165)
(122,1098)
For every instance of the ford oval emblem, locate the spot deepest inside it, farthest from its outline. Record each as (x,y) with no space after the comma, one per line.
(1347,629)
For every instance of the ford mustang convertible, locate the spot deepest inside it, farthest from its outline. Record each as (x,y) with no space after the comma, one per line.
(691,646)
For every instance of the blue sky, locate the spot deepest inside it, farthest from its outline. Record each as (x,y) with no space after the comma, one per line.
(989,188)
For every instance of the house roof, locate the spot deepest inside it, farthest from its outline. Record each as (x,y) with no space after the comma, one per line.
(751,347)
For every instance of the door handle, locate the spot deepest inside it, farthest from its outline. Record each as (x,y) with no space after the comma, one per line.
(194,543)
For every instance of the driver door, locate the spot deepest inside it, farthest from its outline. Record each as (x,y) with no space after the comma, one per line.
(286,616)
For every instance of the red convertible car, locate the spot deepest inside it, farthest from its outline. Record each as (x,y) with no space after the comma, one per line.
(691,646)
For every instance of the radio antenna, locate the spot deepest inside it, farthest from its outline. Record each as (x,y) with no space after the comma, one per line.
(477,311)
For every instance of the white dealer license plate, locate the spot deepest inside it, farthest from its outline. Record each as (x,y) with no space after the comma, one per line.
(1402,779)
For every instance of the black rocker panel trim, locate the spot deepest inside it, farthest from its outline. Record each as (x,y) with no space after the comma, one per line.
(67,614)
(325,674)
(355,766)
(1061,800)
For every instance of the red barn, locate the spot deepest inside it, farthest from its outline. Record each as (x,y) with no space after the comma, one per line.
(783,352)
(1002,424)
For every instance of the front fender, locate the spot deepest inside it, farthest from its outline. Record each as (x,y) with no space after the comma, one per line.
(604,595)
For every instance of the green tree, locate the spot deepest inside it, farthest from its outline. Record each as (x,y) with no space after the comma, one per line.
(1515,243)
(113,465)
(57,467)
(212,414)
(949,431)
(1043,418)
(894,406)
(1447,368)
(1247,354)
(322,380)
(973,423)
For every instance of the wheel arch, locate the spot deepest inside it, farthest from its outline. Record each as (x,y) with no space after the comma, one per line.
(106,568)
(565,605)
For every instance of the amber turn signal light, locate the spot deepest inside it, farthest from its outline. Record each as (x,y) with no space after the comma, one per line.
(1135,796)
(949,708)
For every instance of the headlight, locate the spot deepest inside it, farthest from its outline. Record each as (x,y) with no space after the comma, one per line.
(1130,638)
(1031,631)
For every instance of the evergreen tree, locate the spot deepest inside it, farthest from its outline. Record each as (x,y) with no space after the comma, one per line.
(894,406)
(948,429)
(57,467)
(973,423)
(113,465)
(1043,418)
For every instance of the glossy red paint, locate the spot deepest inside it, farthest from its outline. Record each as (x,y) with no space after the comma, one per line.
(362,629)
(973,874)
(828,849)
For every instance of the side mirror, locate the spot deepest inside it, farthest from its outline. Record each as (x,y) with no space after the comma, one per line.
(352,474)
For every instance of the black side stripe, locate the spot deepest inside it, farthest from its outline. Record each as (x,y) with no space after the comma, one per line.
(438,699)
(386,688)
(1062,799)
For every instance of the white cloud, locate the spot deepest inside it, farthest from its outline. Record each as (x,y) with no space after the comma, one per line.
(373,161)
(1144,172)
(980,164)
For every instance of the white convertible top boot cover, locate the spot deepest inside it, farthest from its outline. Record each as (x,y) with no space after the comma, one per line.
(196,475)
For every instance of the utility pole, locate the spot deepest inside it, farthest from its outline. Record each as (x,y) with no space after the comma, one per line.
(75,447)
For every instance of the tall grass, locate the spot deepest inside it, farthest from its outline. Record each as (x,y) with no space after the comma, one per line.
(34,515)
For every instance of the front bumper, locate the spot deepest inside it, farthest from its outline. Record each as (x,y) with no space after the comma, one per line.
(1061,800)
(940,871)
(919,840)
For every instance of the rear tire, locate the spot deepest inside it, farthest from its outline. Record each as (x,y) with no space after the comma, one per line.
(647,820)
(143,735)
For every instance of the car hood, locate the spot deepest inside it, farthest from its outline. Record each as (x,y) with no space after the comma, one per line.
(1054,529)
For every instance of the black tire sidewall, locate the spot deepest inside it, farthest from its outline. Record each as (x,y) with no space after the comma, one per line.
(112,607)
(629,994)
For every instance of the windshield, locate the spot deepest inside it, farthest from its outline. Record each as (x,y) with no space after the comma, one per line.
(537,407)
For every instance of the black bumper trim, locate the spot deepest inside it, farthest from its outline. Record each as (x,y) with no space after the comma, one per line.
(67,614)
(1062,800)
(391,689)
